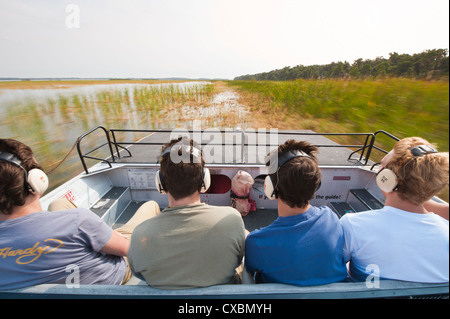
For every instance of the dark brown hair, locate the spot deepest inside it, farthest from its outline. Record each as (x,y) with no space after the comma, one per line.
(13,188)
(184,178)
(299,178)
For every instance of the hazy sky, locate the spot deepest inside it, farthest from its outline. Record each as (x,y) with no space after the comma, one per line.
(208,38)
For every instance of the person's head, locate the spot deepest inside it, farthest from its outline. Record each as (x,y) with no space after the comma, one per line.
(297,176)
(419,171)
(182,169)
(16,161)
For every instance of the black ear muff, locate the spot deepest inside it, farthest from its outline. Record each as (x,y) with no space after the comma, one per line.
(36,179)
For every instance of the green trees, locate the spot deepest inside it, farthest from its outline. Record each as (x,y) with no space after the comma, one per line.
(430,64)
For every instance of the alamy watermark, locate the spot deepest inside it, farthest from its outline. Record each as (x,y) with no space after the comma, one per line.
(73,17)
(227,146)
(73,278)
(373,279)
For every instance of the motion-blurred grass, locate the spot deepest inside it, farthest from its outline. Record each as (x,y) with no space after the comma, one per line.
(402,107)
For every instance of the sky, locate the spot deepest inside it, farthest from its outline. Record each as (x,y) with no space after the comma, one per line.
(208,38)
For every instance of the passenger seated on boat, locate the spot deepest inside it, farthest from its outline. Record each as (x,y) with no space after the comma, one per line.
(303,246)
(404,240)
(190,244)
(39,246)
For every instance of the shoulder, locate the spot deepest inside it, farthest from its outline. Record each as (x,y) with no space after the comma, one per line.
(86,220)
(364,220)
(82,214)
(75,216)
(264,232)
(439,219)
(228,210)
(324,212)
(224,211)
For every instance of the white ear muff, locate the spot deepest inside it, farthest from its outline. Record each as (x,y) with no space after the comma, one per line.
(38,181)
(387,180)
(269,189)
(159,183)
(206,180)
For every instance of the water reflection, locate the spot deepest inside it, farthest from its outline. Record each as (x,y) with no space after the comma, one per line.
(50,120)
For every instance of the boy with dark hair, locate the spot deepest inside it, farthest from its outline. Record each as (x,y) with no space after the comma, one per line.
(189,244)
(304,245)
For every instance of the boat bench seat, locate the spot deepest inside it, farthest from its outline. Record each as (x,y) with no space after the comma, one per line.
(341,208)
(367,199)
(359,200)
(339,290)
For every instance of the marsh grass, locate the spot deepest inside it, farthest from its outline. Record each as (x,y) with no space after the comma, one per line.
(402,107)
(50,125)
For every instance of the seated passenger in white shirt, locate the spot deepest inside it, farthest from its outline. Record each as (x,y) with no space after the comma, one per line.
(404,240)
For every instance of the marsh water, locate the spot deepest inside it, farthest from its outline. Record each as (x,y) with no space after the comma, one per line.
(50,120)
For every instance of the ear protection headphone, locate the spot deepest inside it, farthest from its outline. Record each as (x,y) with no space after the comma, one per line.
(36,179)
(196,153)
(387,180)
(270,190)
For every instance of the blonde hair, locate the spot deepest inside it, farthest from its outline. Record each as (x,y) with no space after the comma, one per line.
(419,177)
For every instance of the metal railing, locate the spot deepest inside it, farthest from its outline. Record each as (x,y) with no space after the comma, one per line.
(83,156)
(115,147)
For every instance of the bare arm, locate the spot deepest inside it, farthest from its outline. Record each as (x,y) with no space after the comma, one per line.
(118,245)
(440,209)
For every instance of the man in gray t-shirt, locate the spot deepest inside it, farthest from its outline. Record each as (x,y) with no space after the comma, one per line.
(46,247)
(38,246)
(189,244)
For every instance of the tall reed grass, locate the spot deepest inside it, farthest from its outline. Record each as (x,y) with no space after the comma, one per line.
(402,107)
(51,125)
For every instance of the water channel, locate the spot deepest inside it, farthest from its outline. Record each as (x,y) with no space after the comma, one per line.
(50,120)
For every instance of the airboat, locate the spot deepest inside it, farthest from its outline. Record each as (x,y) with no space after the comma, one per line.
(115,184)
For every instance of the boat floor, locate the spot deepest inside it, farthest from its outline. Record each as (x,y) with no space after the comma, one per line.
(254,220)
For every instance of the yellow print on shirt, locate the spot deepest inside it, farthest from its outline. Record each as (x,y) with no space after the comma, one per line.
(29,255)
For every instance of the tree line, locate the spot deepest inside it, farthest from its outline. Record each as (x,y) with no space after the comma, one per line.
(430,64)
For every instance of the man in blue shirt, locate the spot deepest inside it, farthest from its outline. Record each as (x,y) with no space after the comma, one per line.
(304,246)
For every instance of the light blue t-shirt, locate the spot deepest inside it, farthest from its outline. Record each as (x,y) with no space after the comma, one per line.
(305,249)
(395,244)
(39,247)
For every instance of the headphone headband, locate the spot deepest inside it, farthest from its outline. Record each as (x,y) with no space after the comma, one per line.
(423,150)
(274,158)
(10,158)
(196,153)
(36,180)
